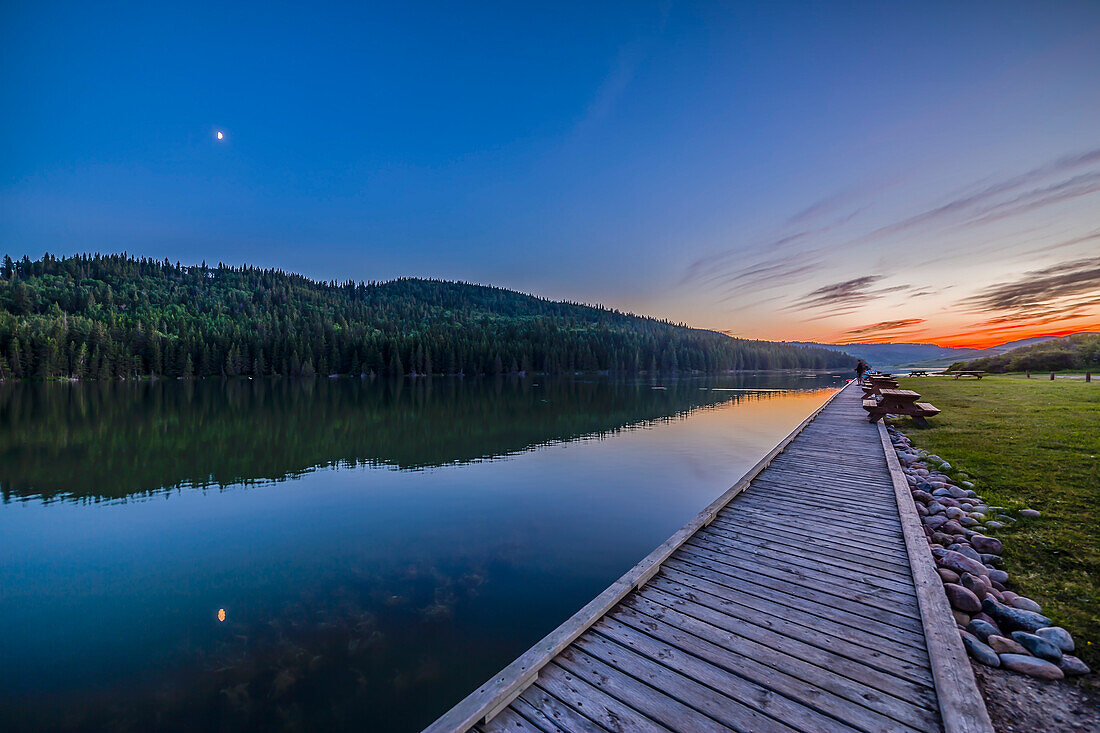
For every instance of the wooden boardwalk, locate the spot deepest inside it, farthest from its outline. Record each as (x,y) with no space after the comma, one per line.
(787,605)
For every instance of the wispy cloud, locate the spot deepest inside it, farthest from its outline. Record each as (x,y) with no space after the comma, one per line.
(842,294)
(884,326)
(1040,289)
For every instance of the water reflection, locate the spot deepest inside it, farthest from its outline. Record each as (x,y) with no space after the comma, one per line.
(346,594)
(114,439)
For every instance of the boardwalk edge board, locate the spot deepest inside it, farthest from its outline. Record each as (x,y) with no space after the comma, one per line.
(962,708)
(483,703)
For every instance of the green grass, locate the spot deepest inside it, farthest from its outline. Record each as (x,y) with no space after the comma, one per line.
(1031,443)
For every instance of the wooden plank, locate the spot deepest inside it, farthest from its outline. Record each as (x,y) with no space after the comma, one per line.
(794,533)
(784,540)
(814,706)
(677,700)
(806,562)
(510,720)
(681,598)
(802,581)
(670,609)
(550,713)
(817,516)
(770,704)
(961,704)
(871,617)
(520,673)
(597,705)
(852,629)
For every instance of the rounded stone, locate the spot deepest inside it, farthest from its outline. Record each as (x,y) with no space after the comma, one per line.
(1038,646)
(1014,618)
(978,651)
(976,584)
(1001,645)
(962,564)
(961,619)
(962,599)
(948,576)
(1057,636)
(982,629)
(997,576)
(993,524)
(1032,666)
(1025,603)
(1071,665)
(990,545)
(952,527)
(1030,513)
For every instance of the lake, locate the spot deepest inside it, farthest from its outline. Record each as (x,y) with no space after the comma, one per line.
(339,553)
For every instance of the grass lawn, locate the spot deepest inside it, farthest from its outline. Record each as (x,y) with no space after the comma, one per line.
(1031,443)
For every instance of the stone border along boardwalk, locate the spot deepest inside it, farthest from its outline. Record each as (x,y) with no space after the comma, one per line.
(802,599)
(998,627)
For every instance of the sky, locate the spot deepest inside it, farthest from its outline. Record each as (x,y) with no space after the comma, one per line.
(838,172)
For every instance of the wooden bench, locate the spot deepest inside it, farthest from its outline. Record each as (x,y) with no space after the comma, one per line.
(899,402)
(918,373)
(969,373)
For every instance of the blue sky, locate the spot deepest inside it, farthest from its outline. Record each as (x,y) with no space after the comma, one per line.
(834,171)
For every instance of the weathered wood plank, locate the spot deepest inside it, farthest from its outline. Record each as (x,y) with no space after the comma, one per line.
(961,704)
(597,705)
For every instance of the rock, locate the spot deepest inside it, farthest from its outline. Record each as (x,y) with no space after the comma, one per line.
(957,492)
(962,564)
(965,550)
(983,616)
(922,496)
(1014,618)
(1071,665)
(961,619)
(1031,666)
(1038,646)
(1005,518)
(993,524)
(994,560)
(982,629)
(948,502)
(966,484)
(954,512)
(995,593)
(990,545)
(1057,636)
(979,651)
(922,510)
(976,584)
(951,527)
(1025,603)
(948,576)
(968,522)
(997,576)
(940,492)
(1001,645)
(935,521)
(977,517)
(1030,513)
(942,539)
(962,599)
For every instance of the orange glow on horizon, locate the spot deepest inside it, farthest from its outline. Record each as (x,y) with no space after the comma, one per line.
(982,338)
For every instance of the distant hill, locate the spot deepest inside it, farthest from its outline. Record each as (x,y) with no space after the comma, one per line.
(880,355)
(1079,351)
(923,356)
(102,317)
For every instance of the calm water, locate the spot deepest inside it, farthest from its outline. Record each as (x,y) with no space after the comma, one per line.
(228,555)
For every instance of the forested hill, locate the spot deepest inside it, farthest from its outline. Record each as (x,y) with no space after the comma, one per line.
(116,316)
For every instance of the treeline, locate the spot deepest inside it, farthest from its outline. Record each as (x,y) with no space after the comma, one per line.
(1079,351)
(117,316)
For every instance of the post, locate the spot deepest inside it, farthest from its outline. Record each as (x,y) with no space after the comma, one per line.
(1028,373)
(1052,376)
(1088,376)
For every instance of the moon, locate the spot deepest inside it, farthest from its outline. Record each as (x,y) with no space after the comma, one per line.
(220,135)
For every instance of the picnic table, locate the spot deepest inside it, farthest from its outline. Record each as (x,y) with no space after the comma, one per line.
(899,402)
(877,385)
(918,373)
(969,373)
